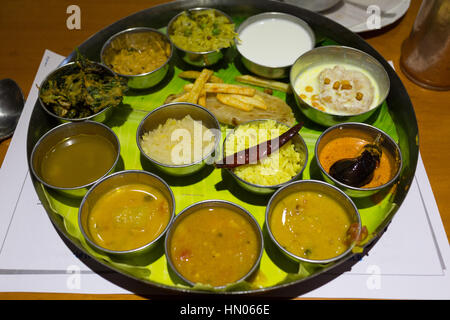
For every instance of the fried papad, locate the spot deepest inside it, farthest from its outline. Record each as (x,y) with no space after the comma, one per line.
(277,109)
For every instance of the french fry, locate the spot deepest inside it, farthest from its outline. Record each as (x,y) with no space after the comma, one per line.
(198,85)
(233,101)
(224,88)
(202,98)
(191,74)
(271,84)
(261,104)
(255,101)
(182,98)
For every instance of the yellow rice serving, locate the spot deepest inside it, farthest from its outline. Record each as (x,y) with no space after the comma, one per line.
(178,142)
(279,167)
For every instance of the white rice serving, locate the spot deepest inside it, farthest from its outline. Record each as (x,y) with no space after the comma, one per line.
(178,142)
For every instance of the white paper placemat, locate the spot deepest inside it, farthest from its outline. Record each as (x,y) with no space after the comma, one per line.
(409,261)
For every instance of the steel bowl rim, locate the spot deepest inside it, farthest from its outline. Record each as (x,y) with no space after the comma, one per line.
(292,255)
(173,166)
(220,203)
(59,69)
(363,127)
(267,187)
(370,57)
(302,23)
(143,247)
(196,9)
(136,30)
(58,127)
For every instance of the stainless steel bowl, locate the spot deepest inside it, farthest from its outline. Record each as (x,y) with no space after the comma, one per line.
(369,133)
(213,204)
(66,69)
(315,186)
(267,189)
(339,55)
(58,134)
(266,70)
(11,106)
(199,59)
(110,183)
(178,110)
(124,40)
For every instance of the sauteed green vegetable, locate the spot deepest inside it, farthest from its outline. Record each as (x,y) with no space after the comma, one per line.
(86,90)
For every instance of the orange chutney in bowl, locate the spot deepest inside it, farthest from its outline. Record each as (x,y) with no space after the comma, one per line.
(351,147)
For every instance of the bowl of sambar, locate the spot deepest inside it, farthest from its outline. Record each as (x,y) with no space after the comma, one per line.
(72,157)
(313,221)
(214,243)
(126,213)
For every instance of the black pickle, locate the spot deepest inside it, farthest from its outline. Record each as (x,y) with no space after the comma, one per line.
(357,172)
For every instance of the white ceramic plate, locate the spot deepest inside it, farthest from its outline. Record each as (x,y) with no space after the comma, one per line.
(367,15)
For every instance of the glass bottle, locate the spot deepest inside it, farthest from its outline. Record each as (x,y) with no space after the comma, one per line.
(425,54)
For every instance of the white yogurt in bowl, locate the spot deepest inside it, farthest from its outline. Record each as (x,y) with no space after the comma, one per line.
(273,40)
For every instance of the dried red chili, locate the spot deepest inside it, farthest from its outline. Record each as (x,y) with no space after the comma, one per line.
(260,151)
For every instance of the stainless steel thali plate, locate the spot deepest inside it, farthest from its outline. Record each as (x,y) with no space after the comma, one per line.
(151,274)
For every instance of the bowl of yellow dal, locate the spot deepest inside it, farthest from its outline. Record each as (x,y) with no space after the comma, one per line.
(126,213)
(214,243)
(313,221)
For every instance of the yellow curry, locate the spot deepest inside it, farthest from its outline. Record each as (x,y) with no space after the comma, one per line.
(128,217)
(214,246)
(311,225)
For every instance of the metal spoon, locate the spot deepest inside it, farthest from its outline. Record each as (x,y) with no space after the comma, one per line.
(11,106)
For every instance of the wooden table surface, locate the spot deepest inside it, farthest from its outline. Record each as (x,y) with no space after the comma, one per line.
(29,27)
